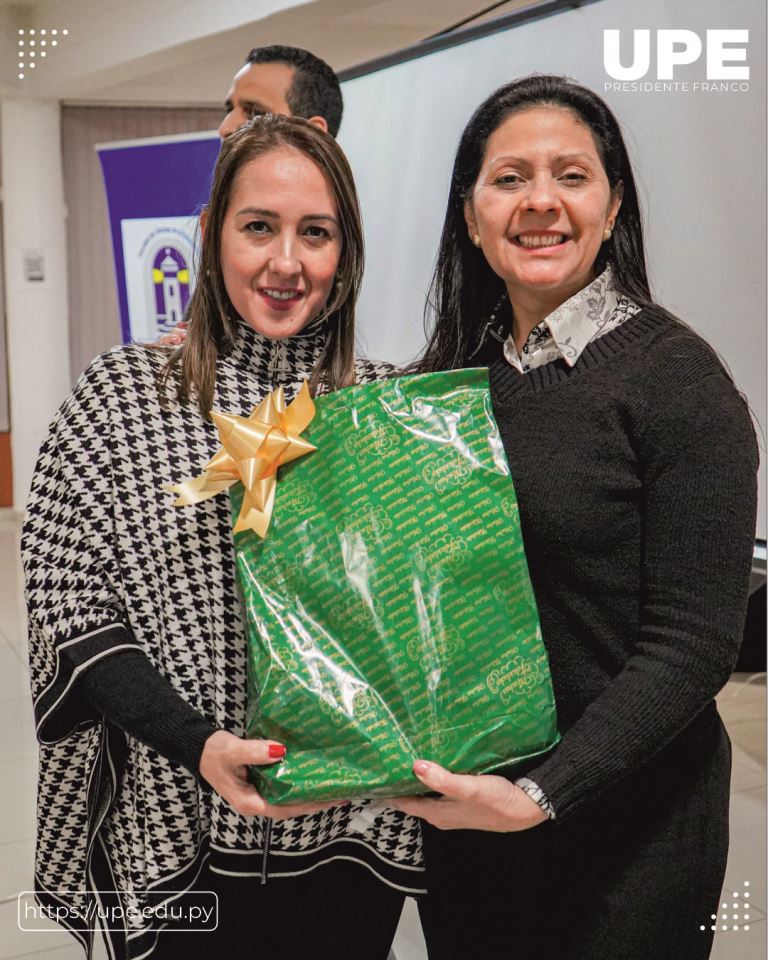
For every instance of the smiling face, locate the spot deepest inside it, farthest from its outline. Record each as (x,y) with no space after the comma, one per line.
(541,205)
(280,243)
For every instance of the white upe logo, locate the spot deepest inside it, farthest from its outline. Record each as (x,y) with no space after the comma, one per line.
(677,48)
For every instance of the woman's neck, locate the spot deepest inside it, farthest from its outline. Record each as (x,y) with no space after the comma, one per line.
(531,307)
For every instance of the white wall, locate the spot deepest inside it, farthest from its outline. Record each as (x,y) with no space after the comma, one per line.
(36,311)
(700,159)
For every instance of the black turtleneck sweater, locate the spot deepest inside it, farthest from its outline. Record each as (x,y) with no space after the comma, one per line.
(128,690)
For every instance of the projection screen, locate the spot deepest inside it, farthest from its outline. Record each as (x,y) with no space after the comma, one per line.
(699,154)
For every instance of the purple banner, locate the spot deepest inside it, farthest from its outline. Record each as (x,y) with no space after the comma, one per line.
(155,191)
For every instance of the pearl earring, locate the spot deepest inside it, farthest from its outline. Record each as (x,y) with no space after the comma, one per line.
(476,239)
(607,233)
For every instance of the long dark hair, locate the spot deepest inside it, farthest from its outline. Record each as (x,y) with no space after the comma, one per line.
(464,288)
(211,324)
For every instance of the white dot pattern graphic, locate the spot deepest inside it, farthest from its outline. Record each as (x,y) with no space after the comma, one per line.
(35,32)
(735,917)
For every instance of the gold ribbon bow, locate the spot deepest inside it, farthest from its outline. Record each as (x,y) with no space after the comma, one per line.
(253,448)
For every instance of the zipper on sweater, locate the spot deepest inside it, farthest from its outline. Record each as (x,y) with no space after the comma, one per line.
(265,855)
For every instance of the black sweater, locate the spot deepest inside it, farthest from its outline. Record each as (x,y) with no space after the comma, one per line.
(635,475)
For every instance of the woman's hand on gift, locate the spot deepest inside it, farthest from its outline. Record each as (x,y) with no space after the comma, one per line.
(470,802)
(224,764)
(176,337)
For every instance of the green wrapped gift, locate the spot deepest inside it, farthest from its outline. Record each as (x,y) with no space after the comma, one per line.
(389,609)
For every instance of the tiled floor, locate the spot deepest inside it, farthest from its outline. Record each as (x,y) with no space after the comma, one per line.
(742,703)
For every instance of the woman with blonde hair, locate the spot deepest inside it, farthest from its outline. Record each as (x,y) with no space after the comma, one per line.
(137,644)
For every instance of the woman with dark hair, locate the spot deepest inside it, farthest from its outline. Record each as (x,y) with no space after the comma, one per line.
(137,648)
(634,461)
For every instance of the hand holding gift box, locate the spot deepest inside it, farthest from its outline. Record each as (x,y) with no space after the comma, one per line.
(389,609)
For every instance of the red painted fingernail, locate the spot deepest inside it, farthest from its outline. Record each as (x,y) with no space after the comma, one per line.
(276,751)
(420,767)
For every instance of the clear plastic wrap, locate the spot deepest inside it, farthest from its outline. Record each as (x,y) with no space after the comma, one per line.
(389,609)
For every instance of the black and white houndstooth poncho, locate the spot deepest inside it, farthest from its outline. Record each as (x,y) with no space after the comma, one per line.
(111,564)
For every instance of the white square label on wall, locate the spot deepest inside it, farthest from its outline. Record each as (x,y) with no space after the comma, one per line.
(33,266)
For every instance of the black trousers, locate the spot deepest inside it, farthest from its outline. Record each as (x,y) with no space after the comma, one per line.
(339,911)
(634,878)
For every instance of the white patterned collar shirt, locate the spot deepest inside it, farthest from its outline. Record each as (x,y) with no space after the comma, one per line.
(564,334)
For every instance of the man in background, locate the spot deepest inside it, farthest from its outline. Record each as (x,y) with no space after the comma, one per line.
(285,80)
